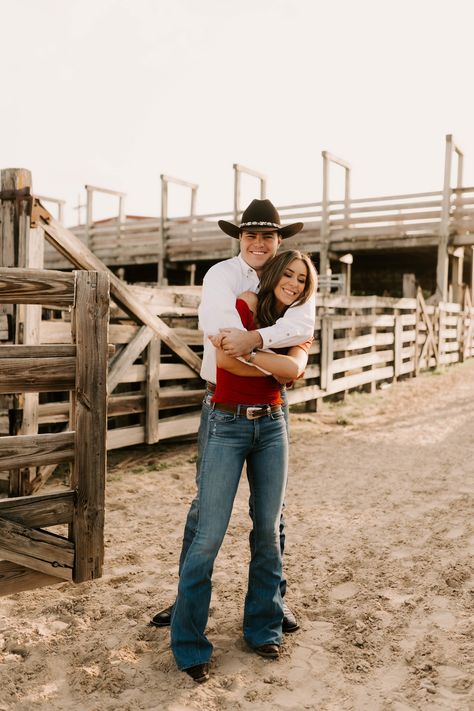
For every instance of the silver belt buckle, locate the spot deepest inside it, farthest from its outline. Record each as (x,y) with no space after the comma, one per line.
(254,412)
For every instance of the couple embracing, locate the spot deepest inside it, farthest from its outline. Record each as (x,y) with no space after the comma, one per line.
(257,316)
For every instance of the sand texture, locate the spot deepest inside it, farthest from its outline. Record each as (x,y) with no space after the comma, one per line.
(380,544)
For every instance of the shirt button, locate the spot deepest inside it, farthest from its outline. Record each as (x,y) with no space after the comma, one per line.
(270,340)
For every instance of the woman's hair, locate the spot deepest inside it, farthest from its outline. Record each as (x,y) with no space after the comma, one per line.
(267,312)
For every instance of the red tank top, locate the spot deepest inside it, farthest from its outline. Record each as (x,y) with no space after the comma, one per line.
(242,390)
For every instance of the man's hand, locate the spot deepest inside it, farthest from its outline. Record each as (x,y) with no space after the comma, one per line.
(238,343)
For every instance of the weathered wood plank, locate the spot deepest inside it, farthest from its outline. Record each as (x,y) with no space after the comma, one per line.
(128,356)
(363,360)
(39,550)
(39,351)
(39,375)
(39,511)
(90,327)
(34,286)
(16,578)
(36,450)
(152,389)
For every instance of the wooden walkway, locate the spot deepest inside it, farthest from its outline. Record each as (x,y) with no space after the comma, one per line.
(377,223)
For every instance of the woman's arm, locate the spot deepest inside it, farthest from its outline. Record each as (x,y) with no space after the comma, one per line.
(284,367)
(287,367)
(235,366)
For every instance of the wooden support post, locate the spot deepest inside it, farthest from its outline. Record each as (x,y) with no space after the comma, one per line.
(20,247)
(373,348)
(397,344)
(90,329)
(327,338)
(457,259)
(153,391)
(409,286)
(472,273)
(325,227)
(443,260)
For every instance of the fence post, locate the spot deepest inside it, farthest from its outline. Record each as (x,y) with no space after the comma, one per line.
(20,247)
(89,420)
(327,337)
(397,344)
(153,390)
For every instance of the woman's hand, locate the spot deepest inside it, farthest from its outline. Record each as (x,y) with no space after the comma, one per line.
(216,340)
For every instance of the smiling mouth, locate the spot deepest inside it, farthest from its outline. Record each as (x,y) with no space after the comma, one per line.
(288,292)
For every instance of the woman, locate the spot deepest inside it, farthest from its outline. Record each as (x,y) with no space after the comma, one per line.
(246,424)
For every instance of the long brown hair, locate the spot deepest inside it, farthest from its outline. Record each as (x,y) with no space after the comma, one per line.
(267,311)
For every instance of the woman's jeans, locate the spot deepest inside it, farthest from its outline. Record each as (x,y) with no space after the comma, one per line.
(233,439)
(193,513)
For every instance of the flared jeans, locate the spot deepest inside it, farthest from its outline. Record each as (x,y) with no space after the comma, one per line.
(232,440)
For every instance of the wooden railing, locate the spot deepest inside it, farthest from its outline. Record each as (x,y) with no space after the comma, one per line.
(406,220)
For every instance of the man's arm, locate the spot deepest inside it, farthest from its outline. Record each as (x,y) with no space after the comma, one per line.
(217,308)
(294,327)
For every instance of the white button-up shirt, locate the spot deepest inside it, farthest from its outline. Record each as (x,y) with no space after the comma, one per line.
(221,286)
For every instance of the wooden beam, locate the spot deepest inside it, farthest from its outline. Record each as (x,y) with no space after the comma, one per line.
(72,248)
(39,550)
(40,375)
(153,391)
(39,511)
(128,356)
(36,286)
(16,578)
(90,325)
(36,450)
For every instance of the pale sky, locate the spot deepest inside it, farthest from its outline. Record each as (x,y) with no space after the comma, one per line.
(115,92)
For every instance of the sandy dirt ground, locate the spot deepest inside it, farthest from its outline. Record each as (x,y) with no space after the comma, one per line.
(379,561)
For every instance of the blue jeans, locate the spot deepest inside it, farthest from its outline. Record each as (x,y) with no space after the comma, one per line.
(232,439)
(193,513)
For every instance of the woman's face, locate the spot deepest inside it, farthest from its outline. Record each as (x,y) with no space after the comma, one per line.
(292,282)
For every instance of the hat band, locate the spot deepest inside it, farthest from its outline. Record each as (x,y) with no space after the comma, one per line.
(260,224)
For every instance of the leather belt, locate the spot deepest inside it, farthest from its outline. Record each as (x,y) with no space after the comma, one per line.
(251,412)
(211,387)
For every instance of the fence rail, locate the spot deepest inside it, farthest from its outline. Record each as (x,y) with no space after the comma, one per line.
(388,221)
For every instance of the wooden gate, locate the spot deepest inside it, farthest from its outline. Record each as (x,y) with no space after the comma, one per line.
(30,555)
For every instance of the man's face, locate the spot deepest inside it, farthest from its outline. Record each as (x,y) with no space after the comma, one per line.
(257,248)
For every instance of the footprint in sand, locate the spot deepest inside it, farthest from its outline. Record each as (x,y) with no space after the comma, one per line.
(344,591)
(444,619)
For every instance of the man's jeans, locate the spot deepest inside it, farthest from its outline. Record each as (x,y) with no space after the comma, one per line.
(193,513)
(232,439)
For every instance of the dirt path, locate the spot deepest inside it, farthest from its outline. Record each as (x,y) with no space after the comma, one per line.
(379,562)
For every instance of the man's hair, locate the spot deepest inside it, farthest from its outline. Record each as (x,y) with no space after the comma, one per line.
(272,272)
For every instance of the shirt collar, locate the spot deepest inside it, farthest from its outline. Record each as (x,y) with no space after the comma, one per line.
(246,269)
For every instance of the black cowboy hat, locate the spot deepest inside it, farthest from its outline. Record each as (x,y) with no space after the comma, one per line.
(263,216)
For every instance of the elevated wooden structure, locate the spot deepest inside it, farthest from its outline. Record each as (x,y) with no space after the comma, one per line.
(438,222)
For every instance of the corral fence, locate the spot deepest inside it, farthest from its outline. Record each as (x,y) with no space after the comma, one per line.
(30,555)
(153,380)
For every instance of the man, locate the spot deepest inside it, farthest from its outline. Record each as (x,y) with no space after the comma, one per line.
(260,233)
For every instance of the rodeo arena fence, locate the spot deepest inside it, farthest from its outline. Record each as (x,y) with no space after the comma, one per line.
(89,363)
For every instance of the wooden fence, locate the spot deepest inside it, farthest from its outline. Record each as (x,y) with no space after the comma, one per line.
(359,342)
(30,555)
(154,385)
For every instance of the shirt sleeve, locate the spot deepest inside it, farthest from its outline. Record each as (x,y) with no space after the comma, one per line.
(306,345)
(217,308)
(294,327)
